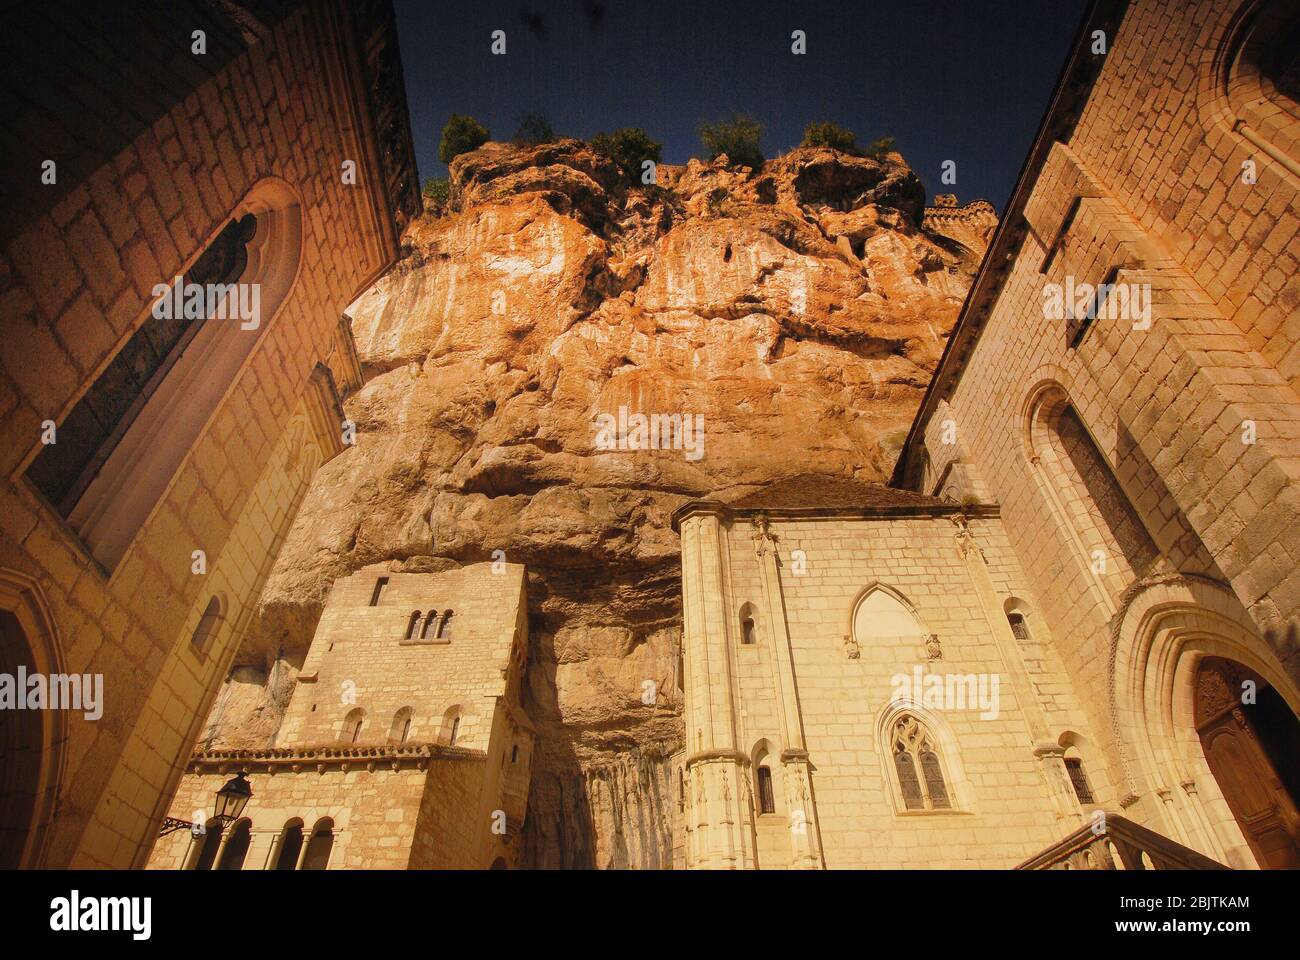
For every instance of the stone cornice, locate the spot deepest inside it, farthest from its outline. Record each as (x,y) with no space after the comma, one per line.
(327,756)
(893,512)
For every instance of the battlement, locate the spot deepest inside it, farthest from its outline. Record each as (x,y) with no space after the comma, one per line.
(945,208)
(970,225)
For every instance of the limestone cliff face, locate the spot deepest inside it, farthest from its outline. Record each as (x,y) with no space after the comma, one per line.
(798,310)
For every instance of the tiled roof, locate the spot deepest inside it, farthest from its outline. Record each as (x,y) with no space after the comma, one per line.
(811,492)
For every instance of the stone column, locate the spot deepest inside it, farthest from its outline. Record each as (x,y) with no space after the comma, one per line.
(805,850)
(714,766)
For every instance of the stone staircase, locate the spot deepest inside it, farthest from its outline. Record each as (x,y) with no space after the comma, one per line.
(1117,843)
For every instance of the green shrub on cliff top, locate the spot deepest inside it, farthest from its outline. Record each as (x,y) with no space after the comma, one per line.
(461,135)
(629,148)
(828,134)
(738,138)
(534,129)
(880,147)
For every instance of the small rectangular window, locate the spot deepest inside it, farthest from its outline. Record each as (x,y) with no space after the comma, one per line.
(1079,780)
(379,591)
(766,801)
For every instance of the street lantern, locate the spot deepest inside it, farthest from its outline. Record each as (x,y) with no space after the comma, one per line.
(232,798)
(230,803)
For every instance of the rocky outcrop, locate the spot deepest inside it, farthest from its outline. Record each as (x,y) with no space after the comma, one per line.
(795,312)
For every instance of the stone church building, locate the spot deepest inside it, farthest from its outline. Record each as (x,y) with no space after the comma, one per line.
(1097,508)
(1067,634)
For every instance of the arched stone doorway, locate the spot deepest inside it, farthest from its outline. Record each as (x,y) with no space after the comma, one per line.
(20,747)
(1252,745)
(31,740)
(1168,627)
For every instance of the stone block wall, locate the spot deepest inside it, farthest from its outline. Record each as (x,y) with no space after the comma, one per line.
(1003,806)
(75,283)
(362,656)
(1184,188)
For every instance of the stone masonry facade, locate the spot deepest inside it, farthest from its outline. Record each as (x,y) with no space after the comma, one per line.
(266,131)
(404,732)
(1146,464)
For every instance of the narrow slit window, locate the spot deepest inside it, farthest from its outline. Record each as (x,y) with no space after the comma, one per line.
(1018,627)
(1079,780)
(766,799)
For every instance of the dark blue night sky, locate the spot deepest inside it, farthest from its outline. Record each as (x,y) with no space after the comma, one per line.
(963,80)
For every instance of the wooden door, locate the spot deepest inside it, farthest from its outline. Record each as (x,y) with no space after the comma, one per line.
(1247,776)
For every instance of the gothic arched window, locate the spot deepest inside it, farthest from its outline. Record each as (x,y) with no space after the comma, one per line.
(1262,79)
(123,441)
(917,764)
(1019,629)
(413,626)
(92,429)
(444,626)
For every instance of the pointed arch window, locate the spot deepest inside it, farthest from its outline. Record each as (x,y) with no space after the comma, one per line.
(1079,780)
(916,761)
(413,626)
(92,429)
(882,614)
(1082,490)
(124,440)
(1261,79)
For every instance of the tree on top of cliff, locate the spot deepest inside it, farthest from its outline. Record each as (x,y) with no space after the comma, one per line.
(738,138)
(534,129)
(829,134)
(880,147)
(629,148)
(461,135)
